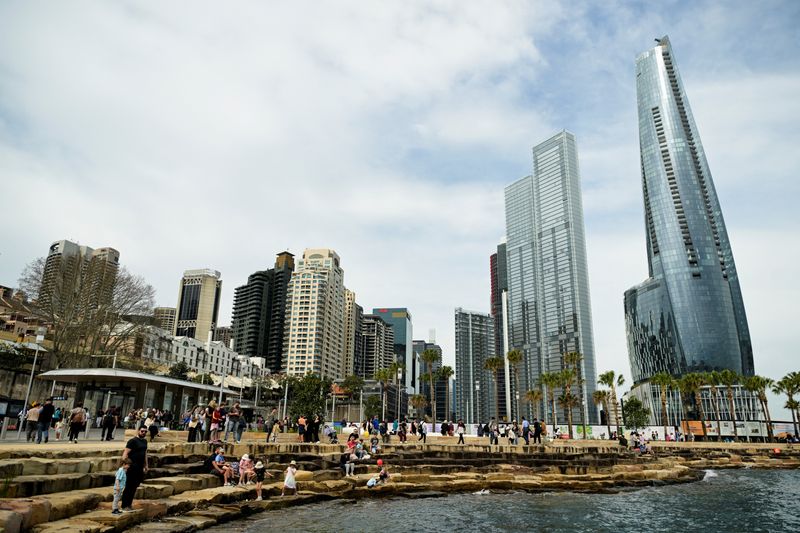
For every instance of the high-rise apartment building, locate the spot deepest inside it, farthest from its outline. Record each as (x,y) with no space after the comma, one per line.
(689,314)
(499,294)
(80,276)
(164,318)
(439,385)
(198,304)
(548,282)
(353,337)
(224,334)
(259,312)
(378,338)
(315,332)
(475,386)
(400,320)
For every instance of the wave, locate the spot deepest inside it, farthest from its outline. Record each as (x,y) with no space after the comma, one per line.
(709,474)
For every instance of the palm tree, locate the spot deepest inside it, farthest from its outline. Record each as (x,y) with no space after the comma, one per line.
(431,357)
(729,378)
(574,360)
(383,376)
(395,368)
(612,380)
(789,385)
(549,380)
(514,359)
(534,397)
(601,397)
(759,385)
(352,385)
(664,381)
(445,373)
(493,364)
(713,380)
(567,400)
(419,401)
(692,384)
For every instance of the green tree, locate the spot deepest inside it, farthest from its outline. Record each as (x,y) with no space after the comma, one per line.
(445,373)
(601,397)
(515,359)
(307,395)
(789,385)
(352,386)
(534,397)
(179,370)
(611,380)
(431,357)
(568,401)
(418,402)
(574,360)
(205,379)
(635,413)
(383,376)
(713,380)
(691,385)
(550,381)
(664,382)
(372,406)
(728,379)
(759,386)
(494,364)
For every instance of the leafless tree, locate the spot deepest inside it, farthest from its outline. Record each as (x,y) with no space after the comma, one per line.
(88,308)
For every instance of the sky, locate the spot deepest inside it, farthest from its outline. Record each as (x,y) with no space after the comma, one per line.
(187,135)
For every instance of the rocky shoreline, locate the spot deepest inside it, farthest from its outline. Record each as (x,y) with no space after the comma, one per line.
(61,489)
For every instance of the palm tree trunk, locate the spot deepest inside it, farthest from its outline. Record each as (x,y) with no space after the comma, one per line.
(716,412)
(732,409)
(664,411)
(701,414)
(608,418)
(496,398)
(433,400)
(769,420)
(516,390)
(569,421)
(616,411)
(555,413)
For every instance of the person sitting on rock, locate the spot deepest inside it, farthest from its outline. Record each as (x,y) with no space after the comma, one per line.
(373,443)
(221,468)
(347,463)
(246,470)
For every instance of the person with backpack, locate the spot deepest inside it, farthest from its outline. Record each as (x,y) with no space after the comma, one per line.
(537,431)
(77,417)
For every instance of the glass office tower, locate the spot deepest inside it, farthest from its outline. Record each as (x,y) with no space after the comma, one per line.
(549,311)
(689,314)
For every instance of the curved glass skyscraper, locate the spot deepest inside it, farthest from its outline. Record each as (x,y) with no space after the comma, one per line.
(689,314)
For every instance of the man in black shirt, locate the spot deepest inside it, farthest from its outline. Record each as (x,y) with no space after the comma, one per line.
(45,417)
(136,451)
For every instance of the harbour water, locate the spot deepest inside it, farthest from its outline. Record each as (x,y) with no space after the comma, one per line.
(726,500)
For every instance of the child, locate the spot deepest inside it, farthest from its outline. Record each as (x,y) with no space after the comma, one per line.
(119,484)
(373,443)
(260,472)
(59,429)
(289,481)
(245,470)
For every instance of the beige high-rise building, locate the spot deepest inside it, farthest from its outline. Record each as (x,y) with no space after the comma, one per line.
(198,304)
(353,316)
(315,327)
(165,318)
(76,275)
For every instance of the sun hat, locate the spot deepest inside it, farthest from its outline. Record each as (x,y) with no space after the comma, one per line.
(293,463)
(246,457)
(259,465)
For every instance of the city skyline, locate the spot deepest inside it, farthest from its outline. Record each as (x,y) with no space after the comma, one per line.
(401,154)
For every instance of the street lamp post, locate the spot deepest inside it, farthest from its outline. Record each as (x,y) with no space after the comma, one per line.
(30,385)
(478,401)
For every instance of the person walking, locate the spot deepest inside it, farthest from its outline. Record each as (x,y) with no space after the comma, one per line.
(260,472)
(272,419)
(526,431)
(120,478)
(460,429)
(136,452)
(422,434)
(45,418)
(77,417)
(537,431)
(289,481)
(32,421)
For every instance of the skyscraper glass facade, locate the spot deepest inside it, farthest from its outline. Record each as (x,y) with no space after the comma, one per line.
(549,310)
(475,393)
(689,314)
